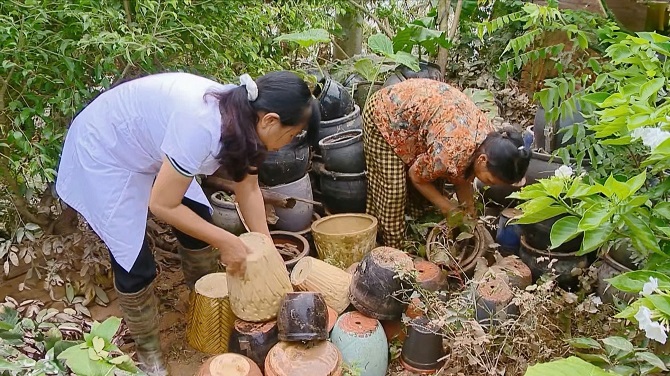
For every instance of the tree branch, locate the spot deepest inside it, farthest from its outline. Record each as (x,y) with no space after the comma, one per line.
(457,19)
(379,23)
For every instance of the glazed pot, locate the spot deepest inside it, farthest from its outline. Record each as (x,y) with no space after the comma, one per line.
(286,165)
(304,359)
(303,316)
(298,217)
(334,99)
(565,263)
(610,268)
(362,91)
(422,349)
(253,340)
(557,140)
(229,365)
(376,290)
(394,78)
(291,246)
(341,124)
(508,235)
(537,236)
(362,342)
(344,193)
(426,70)
(462,259)
(311,274)
(210,318)
(224,214)
(343,152)
(343,239)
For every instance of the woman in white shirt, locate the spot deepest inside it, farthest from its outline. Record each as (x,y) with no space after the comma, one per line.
(138,146)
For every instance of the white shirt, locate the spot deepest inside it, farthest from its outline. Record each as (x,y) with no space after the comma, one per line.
(115,146)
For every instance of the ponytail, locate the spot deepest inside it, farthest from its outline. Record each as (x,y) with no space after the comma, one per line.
(507,156)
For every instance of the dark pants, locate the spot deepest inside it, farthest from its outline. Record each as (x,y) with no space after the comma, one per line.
(143,271)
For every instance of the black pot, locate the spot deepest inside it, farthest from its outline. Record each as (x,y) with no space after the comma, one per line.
(393,79)
(352,80)
(563,267)
(609,268)
(303,316)
(285,165)
(342,192)
(537,235)
(334,98)
(622,253)
(343,152)
(422,348)
(346,123)
(253,340)
(557,140)
(362,89)
(427,70)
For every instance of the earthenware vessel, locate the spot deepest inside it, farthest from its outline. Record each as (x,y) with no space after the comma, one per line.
(320,358)
(312,274)
(229,365)
(342,239)
(253,340)
(210,318)
(562,264)
(362,342)
(422,349)
(303,316)
(343,152)
(290,239)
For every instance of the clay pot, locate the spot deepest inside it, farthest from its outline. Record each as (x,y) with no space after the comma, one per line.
(285,165)
(224,214)
(362,91)
(253,340)
(362,342)
(332,319)
(394,78)
(394,330)
(256,297)
(229,365)
(557,140)
(538,235)
(426,70)
(343,192)
(343,239)
(494,297)
(430,276)
(281,238)
(609,268)
(343,152)
(563,267)
(352,268)
(311,274)
(623,254)
(516,272)
(463,258)
(298,359)
(298,217)
(210,318)
(337,125)
(334,98)
(303,316)
(422,348)
(414,309)
(375,289)
(508,235)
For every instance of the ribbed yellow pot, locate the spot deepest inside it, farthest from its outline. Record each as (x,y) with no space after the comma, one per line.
(311,274)
(210,318)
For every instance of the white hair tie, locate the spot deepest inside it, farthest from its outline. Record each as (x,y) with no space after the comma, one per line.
(252,88)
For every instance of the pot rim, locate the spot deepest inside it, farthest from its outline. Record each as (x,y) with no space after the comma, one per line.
(300,238)
(557,255)
(220,203)
(467,263)
(341,139)
(317,223)
(546,157)
(321,171)
(341,120)
(306,176)
(616,264)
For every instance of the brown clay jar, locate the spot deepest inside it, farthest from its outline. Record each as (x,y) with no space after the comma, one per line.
(430,276)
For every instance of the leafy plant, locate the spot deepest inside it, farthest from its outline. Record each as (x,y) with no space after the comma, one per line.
(562,367)
(423,34)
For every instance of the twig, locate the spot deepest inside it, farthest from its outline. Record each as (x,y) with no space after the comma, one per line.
(379,23)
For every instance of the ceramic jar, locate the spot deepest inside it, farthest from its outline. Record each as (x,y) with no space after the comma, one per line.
(229,365)
(312,274)
(210,318)
(298,359)
(253,340)
(422,349)
(303,316)
(362,342)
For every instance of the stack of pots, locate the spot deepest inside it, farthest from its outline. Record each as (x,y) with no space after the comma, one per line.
(339,163)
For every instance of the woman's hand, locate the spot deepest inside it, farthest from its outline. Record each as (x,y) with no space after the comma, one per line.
(234,256)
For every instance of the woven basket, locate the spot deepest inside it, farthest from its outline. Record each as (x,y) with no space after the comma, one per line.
(210,319)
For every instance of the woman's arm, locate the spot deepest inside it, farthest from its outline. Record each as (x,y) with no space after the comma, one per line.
(465,193)
(428,190)
(165,203)
(250,198)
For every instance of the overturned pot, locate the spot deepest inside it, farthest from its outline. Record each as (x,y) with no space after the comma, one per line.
(303,316)
(343,152)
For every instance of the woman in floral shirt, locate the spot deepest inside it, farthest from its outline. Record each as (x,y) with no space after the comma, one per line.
(425,131)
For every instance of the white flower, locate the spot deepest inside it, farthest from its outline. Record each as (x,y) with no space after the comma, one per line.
(564,172)
(649,287)
(651,137)
(652,329)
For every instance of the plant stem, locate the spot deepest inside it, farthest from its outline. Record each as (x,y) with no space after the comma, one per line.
(379,23)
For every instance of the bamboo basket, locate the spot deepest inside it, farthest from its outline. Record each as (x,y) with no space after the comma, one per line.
(210,318)
(311,274)
(256,297)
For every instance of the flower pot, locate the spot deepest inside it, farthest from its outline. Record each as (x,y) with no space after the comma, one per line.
(298,217)
(298,359)
(253,340)
(537,235)
(529,138)
(462,257)
(291,246)
(557,141)
(609,268)
(334,99)
(343,192)
(284,166)
(430,276)
(343,152)
(623,254)
(337,125)
(224,214)
(210,318)
(393,79)
(256,297)
(394,330)
(539,262)
(312,274)
(303,316)
(376,291)
(229,365)
(422,349)
(493,301)
(352,268)
(516,273)
(426,70)
(362,91)
(508,235)
(343,239)
(332,319)
(362,342)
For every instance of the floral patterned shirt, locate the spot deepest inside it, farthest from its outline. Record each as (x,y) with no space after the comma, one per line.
(433,127)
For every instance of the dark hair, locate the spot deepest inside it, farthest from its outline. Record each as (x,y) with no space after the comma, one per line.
(283,93)
(507,157)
